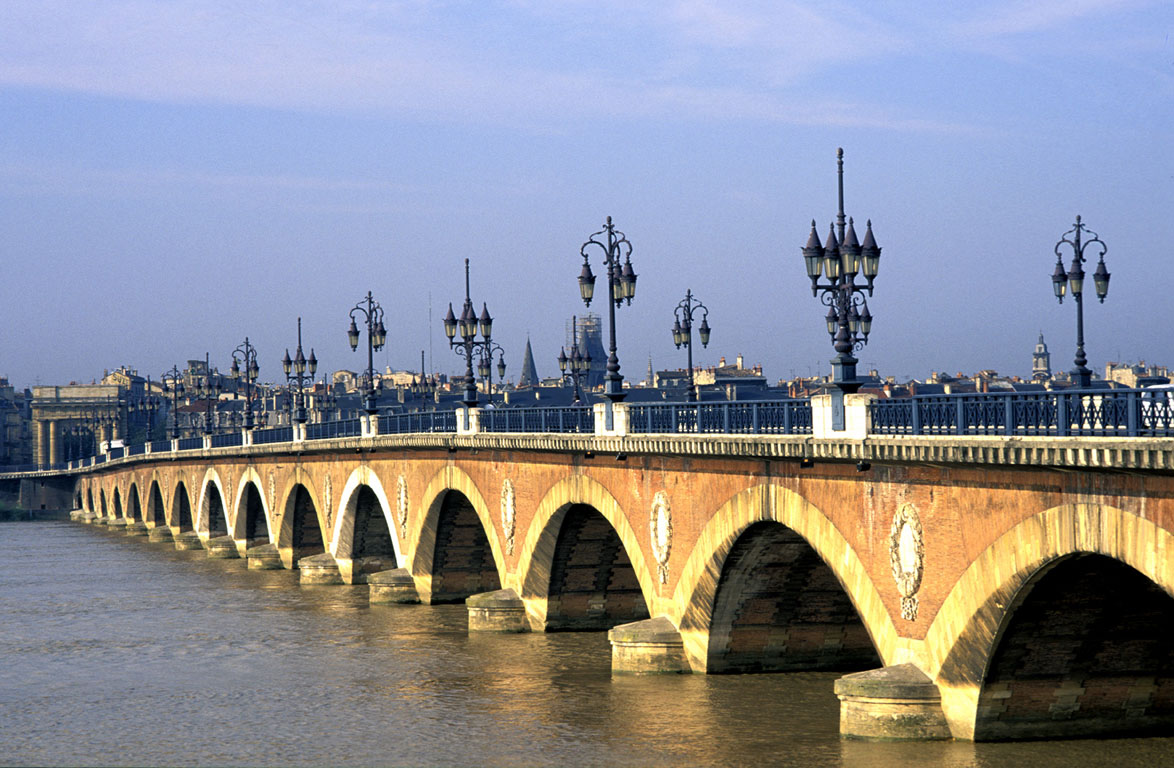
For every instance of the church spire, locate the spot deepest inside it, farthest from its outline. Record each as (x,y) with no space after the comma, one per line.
(529,377)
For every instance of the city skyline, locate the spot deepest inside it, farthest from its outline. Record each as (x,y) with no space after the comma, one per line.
(178,177)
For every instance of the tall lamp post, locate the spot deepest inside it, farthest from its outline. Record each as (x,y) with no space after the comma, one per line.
(173,384)
(841,258)
(376,337)
(326,402)
(296,377)
(683,331)
(578,362)
(1074,279)
(485,368)
(621,286)
(468,345)
(209,392)
(246,353)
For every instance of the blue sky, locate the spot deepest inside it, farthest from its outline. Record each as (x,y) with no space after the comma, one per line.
(177,175)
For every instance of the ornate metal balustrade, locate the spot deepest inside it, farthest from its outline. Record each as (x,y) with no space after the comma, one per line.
(227,440)
(273,435)
(767,417)
(1099,413)
(427,421)
(569,419)
(327,429)
(1092,413)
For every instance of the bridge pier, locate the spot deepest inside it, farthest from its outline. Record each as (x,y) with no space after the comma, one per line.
(897,703)
(358,570)
(185,540)
(264,558)
(222,548)
(159,533)
(651,646)
(135,528)
(498,611)
(395,586)
(318,570)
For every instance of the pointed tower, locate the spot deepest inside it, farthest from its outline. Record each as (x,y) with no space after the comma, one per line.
(529,376)
(1041,361)
(650,379)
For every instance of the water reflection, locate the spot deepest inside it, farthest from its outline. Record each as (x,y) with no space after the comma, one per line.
(122,652)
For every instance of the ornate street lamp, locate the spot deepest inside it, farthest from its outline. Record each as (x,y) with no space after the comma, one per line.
(297,378)
(209,392)
(376,337)
(246,353)
(1074,279)
(326,402)
(173,383)
(576,365)
(485,368)
(841,259)
(424,386)
(621,285)
(683,331)
(467,344)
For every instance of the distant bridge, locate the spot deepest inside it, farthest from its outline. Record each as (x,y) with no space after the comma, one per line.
(1003,563)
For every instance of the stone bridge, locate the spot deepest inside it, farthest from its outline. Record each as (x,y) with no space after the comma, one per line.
(988,587)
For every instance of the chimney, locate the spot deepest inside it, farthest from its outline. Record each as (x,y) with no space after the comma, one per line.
(722,362)
(738,361)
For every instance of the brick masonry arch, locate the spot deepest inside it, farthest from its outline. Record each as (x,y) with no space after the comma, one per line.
(537,554)
(249,476)
(422,538)
(693,600)
(342,538)
(283,510)
(967,628)
(211,479)
(118,510)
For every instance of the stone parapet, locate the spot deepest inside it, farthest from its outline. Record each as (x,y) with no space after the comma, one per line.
(892,703)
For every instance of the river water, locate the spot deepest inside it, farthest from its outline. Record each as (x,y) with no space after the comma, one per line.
(116,651)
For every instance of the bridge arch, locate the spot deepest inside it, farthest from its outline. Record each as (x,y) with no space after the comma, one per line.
(156,508)
(181,508)
(134,509)
(301,528)
(102,501)
(965,635)
(212,516)
(252,518)
(90,498)
(118,511)
(759,508)
(358,532)
(452,496)
(541,562)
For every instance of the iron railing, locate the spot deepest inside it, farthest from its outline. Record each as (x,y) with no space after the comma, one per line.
(134,449)
(327,429)
(116,453)
(273,435)
(421,421)
(190,443)
(159,446)
(227,440)
(575,418)
(1085,413)
(764,417)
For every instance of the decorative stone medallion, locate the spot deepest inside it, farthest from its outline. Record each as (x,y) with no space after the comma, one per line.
(660,524)
(508,515)
(328,491)
(907,557)
(401,507)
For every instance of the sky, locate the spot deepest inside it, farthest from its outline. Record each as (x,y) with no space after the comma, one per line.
(176,175)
